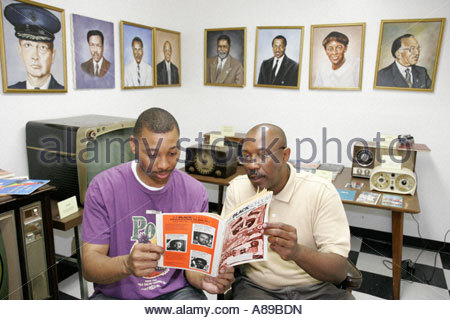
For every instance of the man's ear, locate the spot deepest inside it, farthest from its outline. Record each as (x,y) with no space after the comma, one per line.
(133,144)
(397,54)
(53,55)
(286,154)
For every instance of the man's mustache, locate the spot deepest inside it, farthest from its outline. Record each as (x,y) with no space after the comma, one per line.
(255,174)
(149,170)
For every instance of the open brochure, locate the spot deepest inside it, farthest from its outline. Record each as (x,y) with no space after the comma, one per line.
(208,243)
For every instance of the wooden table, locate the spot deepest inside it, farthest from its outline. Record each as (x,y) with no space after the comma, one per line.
(410,205)
(221,182)
(69,222)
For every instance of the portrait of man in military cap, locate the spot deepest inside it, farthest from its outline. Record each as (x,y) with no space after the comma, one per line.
(93,41)
(33,55)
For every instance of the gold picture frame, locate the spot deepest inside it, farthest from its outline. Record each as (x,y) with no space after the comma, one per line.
(413,68)
(136,56)
(167,49)
(273,43)
(232,67)
(336,56)
(24,25)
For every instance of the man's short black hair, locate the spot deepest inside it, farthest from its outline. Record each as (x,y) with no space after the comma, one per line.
(280,37)
(95,33)
(335,36)
(224,37)
(137,39)
(156,120)
(398,43)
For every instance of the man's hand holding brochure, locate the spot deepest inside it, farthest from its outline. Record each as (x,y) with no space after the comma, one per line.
(208,243)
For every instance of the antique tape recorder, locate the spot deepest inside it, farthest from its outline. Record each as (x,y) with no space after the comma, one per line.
(366,157)
(211,160)
(393,180)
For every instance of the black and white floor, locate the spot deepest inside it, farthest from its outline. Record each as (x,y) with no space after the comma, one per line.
(372,258)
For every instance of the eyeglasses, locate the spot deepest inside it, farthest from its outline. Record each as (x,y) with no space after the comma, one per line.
(411,49)
(259,158)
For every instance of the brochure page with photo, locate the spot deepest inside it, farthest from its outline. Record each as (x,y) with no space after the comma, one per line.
(208,243)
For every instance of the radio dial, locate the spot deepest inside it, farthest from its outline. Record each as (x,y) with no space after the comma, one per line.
(90,135)
(204,162)
(364,157)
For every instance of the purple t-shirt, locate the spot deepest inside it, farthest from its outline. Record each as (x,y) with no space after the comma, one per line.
(115,214)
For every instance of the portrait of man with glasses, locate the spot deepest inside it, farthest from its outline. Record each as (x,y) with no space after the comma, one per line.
(97,66)
(404,71)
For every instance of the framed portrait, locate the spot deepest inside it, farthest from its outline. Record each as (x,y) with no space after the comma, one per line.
(225,51)
(408,54)
(336,56)
(136,56)
(278,56)
(33,47)
(93,52)
(168,58)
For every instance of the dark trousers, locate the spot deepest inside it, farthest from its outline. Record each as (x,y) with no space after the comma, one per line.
(244,289)
(186,293)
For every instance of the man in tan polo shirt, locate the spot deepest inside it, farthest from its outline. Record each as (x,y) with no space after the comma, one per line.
(308,230)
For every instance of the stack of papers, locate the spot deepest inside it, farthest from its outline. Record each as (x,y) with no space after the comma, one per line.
(4,174)
(334,168)
(305,166)
(20,187)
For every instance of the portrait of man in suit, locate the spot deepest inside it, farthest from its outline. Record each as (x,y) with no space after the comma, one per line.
(224,68)
(277,57)
(93,50)
(97,66)
(35,28)
(166,70)
(279,70)
(404,71)
(408,54)
(138,73)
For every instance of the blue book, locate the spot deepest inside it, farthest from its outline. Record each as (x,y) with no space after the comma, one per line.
(20,187)
(347,194)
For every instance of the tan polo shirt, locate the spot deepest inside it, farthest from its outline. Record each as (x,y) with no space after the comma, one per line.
(310,204)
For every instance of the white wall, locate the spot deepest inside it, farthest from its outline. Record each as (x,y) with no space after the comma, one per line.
(302,113)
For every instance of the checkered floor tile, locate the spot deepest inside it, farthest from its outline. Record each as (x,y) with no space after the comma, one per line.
(429,279)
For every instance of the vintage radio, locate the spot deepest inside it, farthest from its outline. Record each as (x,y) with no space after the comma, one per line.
(393,180)
(367,156)
(208,160)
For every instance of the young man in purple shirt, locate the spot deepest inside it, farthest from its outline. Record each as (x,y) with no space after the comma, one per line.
(118,254)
